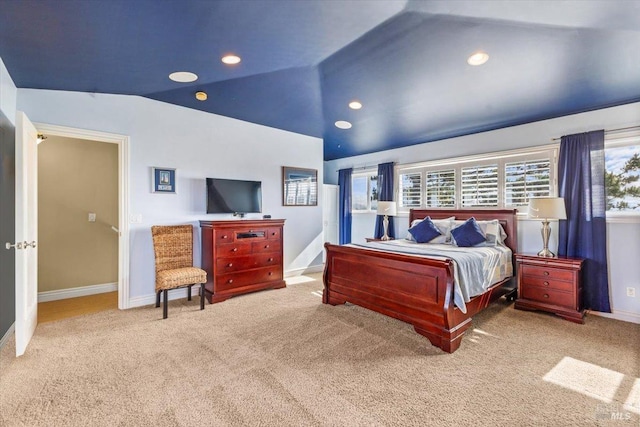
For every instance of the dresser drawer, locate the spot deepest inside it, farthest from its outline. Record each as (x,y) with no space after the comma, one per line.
(223,236)
(274,233)
(250,277)
(233,249)
(245,262)
(267,246)
(548,296)
(547,272)
(548,283)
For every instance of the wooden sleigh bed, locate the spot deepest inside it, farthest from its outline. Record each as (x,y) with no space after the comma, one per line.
(416,290)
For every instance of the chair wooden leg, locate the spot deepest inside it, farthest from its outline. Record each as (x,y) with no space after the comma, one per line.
(158,298)
(202,296)
(166,302)
(189,293)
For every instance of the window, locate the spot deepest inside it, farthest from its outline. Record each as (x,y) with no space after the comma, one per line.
(497,180)
(622,175)
(364,192)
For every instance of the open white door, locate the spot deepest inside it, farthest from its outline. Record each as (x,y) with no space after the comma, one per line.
(26,231)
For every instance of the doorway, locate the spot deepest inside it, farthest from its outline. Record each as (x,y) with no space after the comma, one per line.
(91,220)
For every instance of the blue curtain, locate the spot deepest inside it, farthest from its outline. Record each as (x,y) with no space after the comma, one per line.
(385,194)
(581,171)
(344,181)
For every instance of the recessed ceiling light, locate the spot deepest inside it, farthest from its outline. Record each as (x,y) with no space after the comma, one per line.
(183,77)
(355,105)
(478,58)
(343,124)
(231,59)
(201,96)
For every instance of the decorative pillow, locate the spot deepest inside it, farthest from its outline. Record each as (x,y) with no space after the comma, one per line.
(492,230)
(424,231)
(468,234)
(444,226)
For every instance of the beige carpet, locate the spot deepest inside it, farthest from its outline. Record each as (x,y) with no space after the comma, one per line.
(282,358)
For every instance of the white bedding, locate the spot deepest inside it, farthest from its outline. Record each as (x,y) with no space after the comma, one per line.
(475,269)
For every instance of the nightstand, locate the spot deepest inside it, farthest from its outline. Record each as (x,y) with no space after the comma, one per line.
(373,239)
(550,284)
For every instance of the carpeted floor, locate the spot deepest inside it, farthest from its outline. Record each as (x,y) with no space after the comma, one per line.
(282,358)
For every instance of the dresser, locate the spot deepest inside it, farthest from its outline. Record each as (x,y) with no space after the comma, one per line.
(550,284)
(241,256)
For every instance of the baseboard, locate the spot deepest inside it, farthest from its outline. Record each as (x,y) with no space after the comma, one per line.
(7,335)
(625,316)
(76,292)
(305,270)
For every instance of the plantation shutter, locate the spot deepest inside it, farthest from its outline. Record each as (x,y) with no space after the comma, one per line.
(526,179)
(410,185)
(441,189)
(480,186)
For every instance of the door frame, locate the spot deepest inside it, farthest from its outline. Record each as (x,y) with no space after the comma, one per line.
(123,194)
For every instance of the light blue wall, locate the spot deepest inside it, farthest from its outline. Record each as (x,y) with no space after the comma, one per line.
(198,145)
(623,257)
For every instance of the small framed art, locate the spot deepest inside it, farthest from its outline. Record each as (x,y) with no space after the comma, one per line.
(163,179)
(300,186)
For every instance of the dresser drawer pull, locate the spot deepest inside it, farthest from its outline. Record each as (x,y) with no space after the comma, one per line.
(546,295)
(230,281)
(270,259)
(546,273)
(225,237)
(234,250)
(266,246)
(546,283)
(273,234)
(270,273)
(230,264)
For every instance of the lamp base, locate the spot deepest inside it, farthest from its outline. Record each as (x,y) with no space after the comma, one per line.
(385,224)
(546,253)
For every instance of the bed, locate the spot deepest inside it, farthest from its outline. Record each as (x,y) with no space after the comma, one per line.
(415,289)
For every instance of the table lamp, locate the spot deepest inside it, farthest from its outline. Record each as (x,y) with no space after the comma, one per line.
(387,209)
(547,208)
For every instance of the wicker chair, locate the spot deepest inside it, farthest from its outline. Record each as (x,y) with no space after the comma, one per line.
(173,249)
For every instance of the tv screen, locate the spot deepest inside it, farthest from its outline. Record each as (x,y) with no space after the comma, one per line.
(233,196)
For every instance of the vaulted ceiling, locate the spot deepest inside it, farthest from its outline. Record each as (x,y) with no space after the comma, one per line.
(304,61)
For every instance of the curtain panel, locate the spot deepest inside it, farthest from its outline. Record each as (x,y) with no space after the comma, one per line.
(385,194)
(344,182)
(581,170)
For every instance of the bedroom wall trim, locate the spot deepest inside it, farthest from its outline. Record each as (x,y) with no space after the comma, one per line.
(625,316)
(306,270)
(79,291)
(5,338)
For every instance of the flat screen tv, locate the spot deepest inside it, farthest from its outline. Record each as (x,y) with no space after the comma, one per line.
(233,196)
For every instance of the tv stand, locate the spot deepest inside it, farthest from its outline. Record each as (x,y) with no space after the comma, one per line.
(241,257)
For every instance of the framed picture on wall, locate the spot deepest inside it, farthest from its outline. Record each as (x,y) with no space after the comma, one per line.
(163,180)
(300,186)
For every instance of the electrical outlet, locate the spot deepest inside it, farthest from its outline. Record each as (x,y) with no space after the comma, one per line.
(92,217)
(631,292)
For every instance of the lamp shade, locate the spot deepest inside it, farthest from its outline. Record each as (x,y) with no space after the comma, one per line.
(547,207)
(387,208)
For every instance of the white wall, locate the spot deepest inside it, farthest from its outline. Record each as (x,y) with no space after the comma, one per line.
(198,145)
(623,237)
(8,94)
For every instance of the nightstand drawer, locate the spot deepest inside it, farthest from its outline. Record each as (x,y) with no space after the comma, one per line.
(548,272)
(548,296)
(547,283)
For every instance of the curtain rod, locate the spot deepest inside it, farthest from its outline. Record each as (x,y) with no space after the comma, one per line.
(608,132)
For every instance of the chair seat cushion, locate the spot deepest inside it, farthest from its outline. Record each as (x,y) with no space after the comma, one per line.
(170,279)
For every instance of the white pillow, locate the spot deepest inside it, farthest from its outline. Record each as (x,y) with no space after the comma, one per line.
(444,225)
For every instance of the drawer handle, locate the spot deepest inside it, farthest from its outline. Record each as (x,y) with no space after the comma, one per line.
(230,281)
(225,237)
(546,283)
(270,259)
(266,246)
(234,250)
(230,264)
(546,273)
(273,234)
(270,273)
(546,295)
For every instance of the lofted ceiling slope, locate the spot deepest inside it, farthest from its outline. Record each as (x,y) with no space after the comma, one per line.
(304,61)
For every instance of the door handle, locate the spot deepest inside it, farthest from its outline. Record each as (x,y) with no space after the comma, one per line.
(9,245)
(26,244)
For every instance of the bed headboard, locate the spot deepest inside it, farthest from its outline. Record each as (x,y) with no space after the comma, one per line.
(507,218)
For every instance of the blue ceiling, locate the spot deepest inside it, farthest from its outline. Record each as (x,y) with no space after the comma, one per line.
(303,61)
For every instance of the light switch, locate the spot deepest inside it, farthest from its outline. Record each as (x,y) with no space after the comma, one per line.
(92,217)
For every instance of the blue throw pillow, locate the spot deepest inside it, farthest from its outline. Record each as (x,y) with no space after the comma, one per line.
(468,234)
(424,231)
